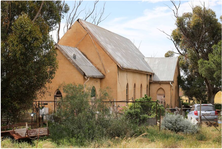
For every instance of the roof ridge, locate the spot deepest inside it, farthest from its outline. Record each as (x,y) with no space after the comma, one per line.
(103,29)
(120,49)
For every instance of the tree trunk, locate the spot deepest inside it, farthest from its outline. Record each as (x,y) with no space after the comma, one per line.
(210,94)
(212,98)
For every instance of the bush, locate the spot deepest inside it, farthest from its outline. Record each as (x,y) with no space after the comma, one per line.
(78,121)
(177,124)
(120,128)
(142,109)
(201,137)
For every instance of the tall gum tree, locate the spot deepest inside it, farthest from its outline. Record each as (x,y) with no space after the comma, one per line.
(28,57)
(196,34)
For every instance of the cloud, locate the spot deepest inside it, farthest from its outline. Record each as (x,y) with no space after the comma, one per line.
(144,30)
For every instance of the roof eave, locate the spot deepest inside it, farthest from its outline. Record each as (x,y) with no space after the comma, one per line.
(165,82)
(134,70)
(76,66)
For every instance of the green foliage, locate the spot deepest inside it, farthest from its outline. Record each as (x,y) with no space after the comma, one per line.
(93,92)
(201,137)
(218,106)
(28,57)
(121,127)
(193,87)
(194,37)
(169,54)
(177,124)
(211,68)
(27,65)
(142,109)
(76,118)
(80,121)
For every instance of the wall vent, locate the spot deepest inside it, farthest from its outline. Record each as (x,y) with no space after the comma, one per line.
(74,56)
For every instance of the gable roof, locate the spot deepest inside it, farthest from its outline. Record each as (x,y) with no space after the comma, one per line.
(83,65)
(164,67)
(120,49)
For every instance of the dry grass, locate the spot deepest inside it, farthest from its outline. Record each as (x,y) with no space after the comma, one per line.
(208,137)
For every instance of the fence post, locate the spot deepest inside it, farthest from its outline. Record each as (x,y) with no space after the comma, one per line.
(160,120)
(156,112)
(200,113)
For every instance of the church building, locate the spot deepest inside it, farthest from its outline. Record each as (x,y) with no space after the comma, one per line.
(97,58)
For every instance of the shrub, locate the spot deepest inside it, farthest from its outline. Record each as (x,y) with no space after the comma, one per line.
(201,137)
(78,121)
(177,124)
(142,109)
(120,128)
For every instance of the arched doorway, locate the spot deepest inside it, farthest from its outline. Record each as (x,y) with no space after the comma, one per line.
(161,95)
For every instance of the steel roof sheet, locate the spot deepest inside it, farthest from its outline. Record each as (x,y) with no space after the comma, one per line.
(121,49)
(80,61)
(163,67)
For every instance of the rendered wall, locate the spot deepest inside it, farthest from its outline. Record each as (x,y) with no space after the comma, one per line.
(171,92)
(124,77)
(167,89)
(65,74)
(77,37)
(176,87)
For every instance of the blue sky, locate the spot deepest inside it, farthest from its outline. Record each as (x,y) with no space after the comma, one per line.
(140,21)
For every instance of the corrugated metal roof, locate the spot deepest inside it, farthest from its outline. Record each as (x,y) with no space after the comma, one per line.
(121,49)
(80,62)
(164,67)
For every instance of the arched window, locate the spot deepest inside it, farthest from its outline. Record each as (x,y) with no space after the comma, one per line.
(57,97)
(134,92)
(147,89)
(58,93)
(127,92)
(93,92)
(141,90)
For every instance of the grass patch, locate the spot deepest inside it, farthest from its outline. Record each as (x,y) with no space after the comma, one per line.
(207,137)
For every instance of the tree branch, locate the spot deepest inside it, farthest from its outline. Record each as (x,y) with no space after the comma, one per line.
(38,12)
(175,45)
(90,13)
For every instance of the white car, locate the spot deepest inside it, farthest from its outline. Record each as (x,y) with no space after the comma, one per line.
(208,113)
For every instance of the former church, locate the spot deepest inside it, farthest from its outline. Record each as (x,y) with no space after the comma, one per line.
(95,57)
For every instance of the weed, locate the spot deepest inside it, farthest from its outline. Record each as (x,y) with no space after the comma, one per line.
(217,139)
(201,137)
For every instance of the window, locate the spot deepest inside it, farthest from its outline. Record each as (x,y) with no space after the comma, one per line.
(58,93)
(127,92)
(93,92)
(147,89)
(151,78)
(141,90)
(134,92)
(57,97)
